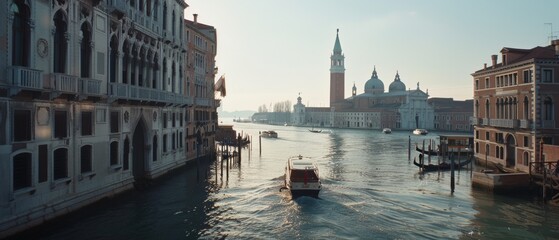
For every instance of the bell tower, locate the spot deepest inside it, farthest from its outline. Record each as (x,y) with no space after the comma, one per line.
(337,72)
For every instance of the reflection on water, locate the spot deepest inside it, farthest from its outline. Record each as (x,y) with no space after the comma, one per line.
(370,191)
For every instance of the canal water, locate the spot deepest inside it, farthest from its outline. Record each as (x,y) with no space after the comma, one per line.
(370,191)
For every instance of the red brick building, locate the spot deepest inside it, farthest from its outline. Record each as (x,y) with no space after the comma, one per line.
(514,105)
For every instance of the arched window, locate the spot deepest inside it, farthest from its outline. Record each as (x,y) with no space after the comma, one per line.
(526,108)
(173,76)
(61,46)
(502,152)
(86,159)
(497,152)
(164,80)
(164,16)
(114,153)
(498,108)
(487,108)
(154,150)
(21,171)
(154,72)
(113,61)
(148,8)
(155,9)
(85,58)
(547,109)
(60,163)
(173,23)
(125,60)
(21,34)
(133,63)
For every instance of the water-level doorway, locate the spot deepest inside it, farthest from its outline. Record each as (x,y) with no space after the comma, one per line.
(511,151)
(139,149)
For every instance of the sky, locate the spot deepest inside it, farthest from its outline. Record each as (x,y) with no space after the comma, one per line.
(270,51)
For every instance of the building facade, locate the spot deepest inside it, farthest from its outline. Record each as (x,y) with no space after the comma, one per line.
(94,99)
(452,115)
(515,102)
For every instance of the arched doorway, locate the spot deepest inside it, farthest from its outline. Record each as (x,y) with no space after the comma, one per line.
(511,151)
(138,154)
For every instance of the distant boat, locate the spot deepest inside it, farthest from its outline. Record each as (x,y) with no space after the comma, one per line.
(420,131)
(315,130)
(301,177)
(269,134)
(387,130)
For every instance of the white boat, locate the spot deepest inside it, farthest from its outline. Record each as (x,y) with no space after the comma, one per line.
(387,130)
(269,134)
(301,177)
(420,131)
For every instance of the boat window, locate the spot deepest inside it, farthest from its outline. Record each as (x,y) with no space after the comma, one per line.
(304,175)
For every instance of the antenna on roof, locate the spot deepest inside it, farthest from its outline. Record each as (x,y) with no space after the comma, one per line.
(551,37)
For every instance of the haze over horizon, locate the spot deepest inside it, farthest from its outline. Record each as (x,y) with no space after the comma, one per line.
(270,51)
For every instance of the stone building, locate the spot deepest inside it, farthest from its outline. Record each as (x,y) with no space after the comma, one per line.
(95,97)
(452,115)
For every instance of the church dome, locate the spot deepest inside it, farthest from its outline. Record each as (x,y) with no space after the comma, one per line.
(397,85)
(374,85)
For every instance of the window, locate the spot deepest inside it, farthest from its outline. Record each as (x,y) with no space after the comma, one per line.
(526,143)
(164,120)
(527,76)
(113,59)
(497,152)
(60,48)
(526,158)
(126,153)
(548,109)
(115,122)
(164,16)
(173,140)
(87,123)
(60,163)
(174,120)
(181,120)
(547,75)
(60,124)
(477,147)
(477,84)
(22,171)
(526,108)
(164,142)
(154,151)
(486,82)
(85,57)
(21,34)
(43,163)
(486,135)
(114,153)
(85,159)
(22,122)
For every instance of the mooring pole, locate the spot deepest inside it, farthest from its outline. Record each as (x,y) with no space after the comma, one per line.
(423,150)
(409,148)
(451,174)
(239,149)
(429,149)
(260,142)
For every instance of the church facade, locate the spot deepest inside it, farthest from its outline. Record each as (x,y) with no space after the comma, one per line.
(374,108)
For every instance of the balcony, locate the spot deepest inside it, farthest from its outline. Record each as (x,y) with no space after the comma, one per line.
(136,93)
(525,123)
(22,78)
(485,121)
(90,87)
(63,84)
(505,123)
(204,102)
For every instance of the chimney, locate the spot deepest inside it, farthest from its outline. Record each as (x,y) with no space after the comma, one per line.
(484,66)
(195,17)
(555,43)
(494,60)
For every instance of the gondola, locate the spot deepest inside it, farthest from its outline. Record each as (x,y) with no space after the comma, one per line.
(429,152)
(441,167)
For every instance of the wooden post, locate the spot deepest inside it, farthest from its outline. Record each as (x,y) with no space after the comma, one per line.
(239,148)
(451,174)
(409,148)
(260,142)
(423,150)
(429,155)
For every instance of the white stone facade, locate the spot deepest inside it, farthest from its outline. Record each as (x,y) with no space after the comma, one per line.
(94,99)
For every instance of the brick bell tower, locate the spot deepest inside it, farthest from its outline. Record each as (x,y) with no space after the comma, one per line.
(337,73)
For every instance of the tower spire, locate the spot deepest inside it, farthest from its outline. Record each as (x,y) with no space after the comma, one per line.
(337,45)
